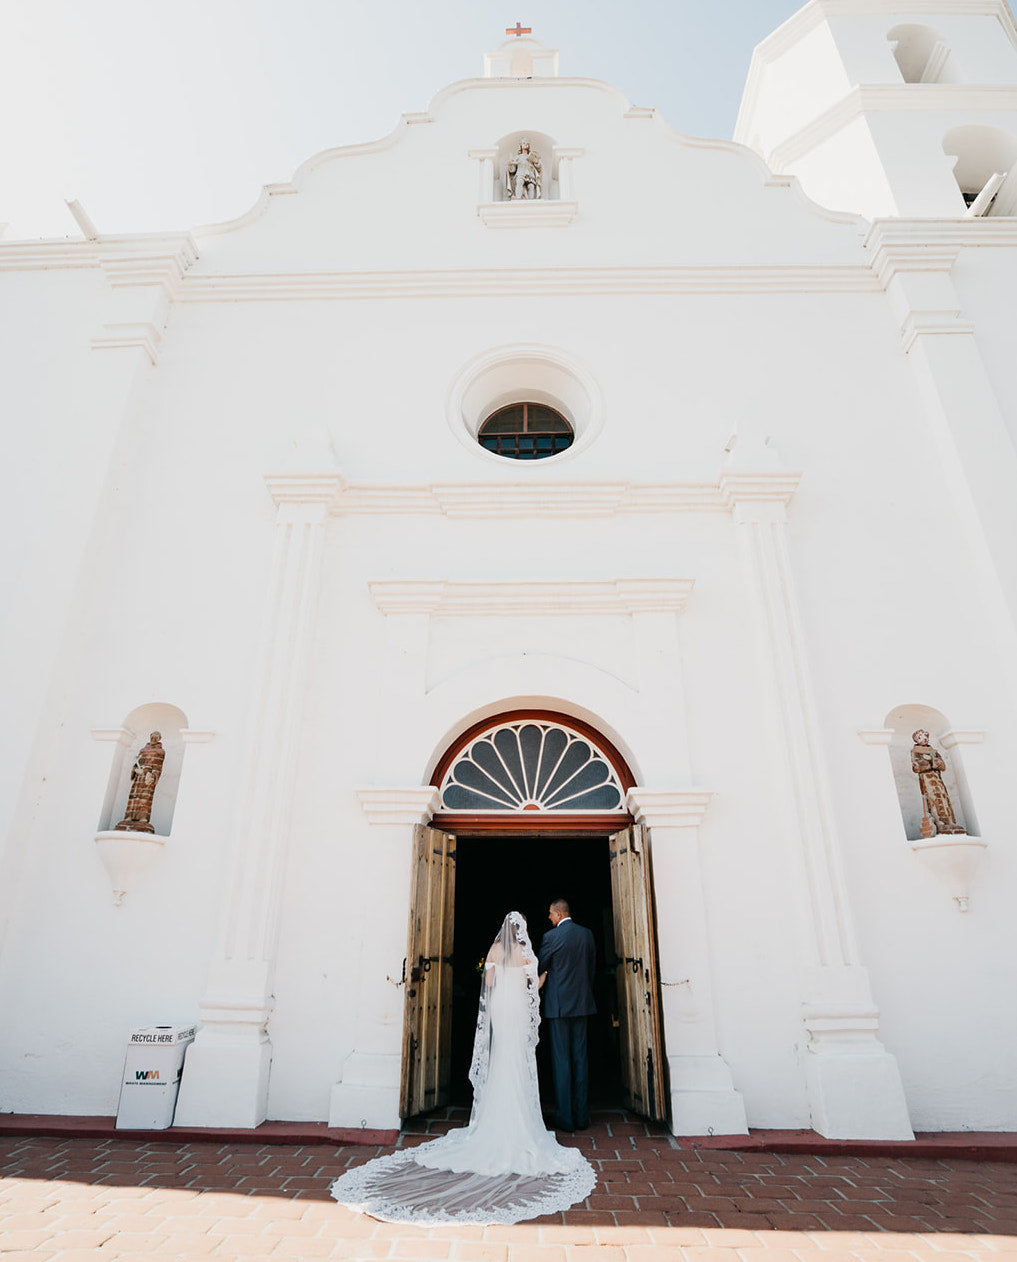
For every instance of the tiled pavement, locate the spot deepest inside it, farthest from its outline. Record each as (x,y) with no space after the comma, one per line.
(96,1199)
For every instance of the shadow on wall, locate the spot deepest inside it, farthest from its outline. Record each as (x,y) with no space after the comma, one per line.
(922,55)
(985,168)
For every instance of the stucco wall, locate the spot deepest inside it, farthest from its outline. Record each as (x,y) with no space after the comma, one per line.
(149,537)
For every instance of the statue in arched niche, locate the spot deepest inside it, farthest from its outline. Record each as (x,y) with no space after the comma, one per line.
(928,764)
(144,777)
(523,174)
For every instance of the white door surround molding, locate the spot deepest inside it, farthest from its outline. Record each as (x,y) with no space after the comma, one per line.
(703,1096)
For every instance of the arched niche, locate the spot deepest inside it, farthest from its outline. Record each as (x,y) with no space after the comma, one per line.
(903,722)
(541,144)
(985,168)
(922,55)
(170,722)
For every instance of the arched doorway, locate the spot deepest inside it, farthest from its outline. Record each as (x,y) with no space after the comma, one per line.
(532,807)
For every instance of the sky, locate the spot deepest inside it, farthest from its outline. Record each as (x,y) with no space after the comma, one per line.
(161,115)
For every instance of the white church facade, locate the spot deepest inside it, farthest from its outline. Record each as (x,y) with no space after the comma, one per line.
(536,502)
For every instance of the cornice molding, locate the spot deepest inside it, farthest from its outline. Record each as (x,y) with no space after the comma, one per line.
(528,282)
(166,270)
(892,253)
(775,487)
(158,254)
(408,806)
(503,500)
(507,500)
(669,808)
(932,244)
(305,488)
(143,336)
(898,97)
(918,324)
(876,736)
(444,599)
(118,735)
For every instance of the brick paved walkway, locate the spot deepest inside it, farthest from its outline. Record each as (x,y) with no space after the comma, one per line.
(78,1199)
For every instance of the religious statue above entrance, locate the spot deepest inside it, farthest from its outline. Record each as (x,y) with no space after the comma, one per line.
(524,174)
(525,180)
(531,765)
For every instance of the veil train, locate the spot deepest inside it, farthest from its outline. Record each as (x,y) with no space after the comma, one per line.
(504,1166)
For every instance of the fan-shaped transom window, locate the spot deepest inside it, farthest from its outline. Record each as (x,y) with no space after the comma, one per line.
(531,766)
(526,431)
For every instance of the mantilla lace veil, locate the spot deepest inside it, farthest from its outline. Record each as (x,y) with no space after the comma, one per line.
(505,1166)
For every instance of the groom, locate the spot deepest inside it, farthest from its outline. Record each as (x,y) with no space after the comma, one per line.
(568,958)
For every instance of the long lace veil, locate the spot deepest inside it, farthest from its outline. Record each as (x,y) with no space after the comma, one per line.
(511,949)
(504,1166)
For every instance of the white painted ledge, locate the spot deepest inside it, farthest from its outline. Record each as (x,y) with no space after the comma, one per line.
(955,737)
(413,805)
(669,808)
(528,214)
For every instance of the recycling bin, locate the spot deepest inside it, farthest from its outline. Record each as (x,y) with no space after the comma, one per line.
(155,1057)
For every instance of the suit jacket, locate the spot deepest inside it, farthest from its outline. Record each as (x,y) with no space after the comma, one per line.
(568,956)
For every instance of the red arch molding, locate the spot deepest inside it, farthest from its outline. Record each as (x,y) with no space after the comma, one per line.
(534,822)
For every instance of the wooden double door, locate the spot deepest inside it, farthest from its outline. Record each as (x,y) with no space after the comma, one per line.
(428,973)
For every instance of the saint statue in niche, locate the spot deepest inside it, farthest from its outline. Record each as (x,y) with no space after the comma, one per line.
(523,174)
(927,763)
(144,777)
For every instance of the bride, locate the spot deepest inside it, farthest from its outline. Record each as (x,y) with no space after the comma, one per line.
(505,1166)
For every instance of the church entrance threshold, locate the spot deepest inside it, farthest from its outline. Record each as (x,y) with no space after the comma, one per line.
(464,884)
(495,875)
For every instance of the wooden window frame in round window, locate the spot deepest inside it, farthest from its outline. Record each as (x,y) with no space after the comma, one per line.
(532,438)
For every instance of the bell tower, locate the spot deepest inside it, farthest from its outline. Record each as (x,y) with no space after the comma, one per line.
(891,107)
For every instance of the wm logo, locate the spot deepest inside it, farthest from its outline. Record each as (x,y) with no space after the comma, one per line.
(145,1075)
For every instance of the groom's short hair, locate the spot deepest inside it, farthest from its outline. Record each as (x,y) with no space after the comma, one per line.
(561,906)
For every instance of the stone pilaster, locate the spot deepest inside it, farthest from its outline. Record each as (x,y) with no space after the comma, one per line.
(703,1096)
(367,1093)
(225,1080)
(853,1084)
(966,424)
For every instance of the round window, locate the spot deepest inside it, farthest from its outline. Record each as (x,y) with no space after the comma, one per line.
(526,431)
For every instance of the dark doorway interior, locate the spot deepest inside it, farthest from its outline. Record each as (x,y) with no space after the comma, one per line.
(496,875)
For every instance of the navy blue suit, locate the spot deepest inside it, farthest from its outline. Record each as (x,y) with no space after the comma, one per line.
(568,956)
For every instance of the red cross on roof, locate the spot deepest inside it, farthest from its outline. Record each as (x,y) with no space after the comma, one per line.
(519,30)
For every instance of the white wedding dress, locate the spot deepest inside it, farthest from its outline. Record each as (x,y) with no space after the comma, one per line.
(505,1166)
